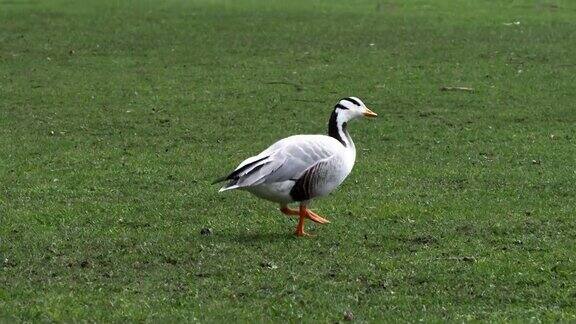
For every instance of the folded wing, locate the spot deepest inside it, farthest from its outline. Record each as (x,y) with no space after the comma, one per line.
(285,160)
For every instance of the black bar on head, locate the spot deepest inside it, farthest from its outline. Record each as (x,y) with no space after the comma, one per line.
(354,101)
(341,107)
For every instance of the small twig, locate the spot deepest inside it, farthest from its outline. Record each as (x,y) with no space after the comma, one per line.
(457,89)
(309,100)
(295,85)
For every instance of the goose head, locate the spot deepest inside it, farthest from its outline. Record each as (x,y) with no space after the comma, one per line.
(344,111)
(352,108)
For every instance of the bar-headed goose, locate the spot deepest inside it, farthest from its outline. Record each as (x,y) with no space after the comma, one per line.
(302,167)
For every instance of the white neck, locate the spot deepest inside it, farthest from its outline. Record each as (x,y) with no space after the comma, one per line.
(337,129)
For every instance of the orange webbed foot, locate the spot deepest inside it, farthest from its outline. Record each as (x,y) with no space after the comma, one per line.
(303,234)
(316,218)
(304,213)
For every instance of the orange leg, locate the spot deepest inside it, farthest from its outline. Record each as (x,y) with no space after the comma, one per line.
(303,213)
(300,227)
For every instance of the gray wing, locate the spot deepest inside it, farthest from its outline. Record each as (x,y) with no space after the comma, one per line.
(287,159)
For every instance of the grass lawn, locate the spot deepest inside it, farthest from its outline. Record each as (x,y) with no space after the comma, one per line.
(115,116)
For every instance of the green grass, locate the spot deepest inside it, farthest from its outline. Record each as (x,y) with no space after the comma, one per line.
(115,116)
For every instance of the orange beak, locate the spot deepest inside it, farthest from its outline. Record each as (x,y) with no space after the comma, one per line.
(370,113)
